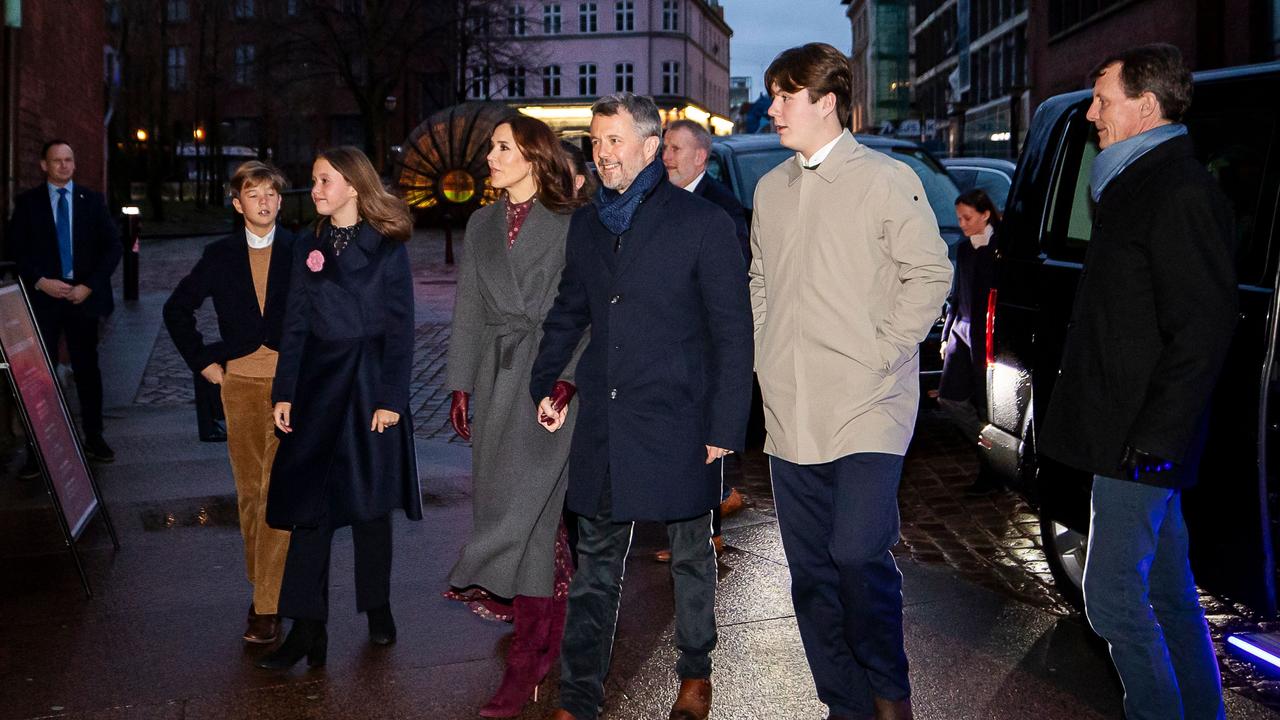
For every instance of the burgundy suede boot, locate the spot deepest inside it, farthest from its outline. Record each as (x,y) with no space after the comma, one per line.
(521,677)
(550,651)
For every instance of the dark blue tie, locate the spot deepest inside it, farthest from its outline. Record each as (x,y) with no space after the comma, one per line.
(64,233)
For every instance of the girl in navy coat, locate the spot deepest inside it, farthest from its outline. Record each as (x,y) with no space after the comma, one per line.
(341,395)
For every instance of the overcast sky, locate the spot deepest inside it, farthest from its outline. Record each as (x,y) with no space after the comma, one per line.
(764,28)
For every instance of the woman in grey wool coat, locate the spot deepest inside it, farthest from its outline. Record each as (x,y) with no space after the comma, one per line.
(506,285)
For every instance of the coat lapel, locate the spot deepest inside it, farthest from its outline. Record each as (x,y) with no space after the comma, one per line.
(532,243)
(494,262)
(242,269)
(278,269)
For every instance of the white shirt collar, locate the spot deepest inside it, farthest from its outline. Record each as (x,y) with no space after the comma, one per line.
(258,243)
(694,185)
(822,153)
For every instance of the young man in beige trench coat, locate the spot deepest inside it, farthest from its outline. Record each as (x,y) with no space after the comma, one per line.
(848,273)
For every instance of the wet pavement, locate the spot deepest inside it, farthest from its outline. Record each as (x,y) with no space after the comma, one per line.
(987,634)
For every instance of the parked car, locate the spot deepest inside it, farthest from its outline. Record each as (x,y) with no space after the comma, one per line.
(1043,241)
(739,161)
(991,175)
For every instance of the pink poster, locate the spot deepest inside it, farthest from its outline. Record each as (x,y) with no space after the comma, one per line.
(40,395)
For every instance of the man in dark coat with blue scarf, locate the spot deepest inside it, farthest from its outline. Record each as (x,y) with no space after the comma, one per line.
(1152,323)
(665,390)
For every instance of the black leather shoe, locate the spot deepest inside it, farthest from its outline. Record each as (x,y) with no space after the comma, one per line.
(97,449)
(382,627)
(307,638)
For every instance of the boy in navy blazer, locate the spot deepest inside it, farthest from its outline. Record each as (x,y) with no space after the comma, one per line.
(67,246)
(247,276)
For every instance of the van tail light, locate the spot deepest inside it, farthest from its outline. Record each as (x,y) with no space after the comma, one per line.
(991,327)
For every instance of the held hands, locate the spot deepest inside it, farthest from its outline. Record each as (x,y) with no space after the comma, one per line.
(281,414)
(714,453)
(383,419)
(553,410)
(213,373)
(78,294)
(54,288)
(458,404)
(1137,464)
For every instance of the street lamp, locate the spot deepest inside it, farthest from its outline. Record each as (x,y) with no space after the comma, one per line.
(141,135)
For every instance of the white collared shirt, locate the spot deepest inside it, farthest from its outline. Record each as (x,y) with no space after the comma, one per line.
(821,155)
(258,243)
(694,185)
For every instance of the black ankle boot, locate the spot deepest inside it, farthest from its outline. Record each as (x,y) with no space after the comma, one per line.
(382,627)
(307,638)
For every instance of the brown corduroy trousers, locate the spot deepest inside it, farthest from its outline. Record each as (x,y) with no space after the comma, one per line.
(252,443)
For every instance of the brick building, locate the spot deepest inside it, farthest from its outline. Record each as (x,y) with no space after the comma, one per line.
(52,86)
(1066,37)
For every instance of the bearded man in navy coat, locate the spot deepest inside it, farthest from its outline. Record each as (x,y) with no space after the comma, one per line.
(665,390)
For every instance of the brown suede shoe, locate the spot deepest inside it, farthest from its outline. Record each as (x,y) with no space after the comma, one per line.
(263,629)
(694,700)
(731,504)
(664,556)
(562,715)
(893,709)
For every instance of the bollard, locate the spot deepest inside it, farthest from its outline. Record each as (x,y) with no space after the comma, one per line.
(132,232)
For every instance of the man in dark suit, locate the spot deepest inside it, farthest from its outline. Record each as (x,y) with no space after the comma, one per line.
(664,387)
(246,274)
(1153,318)
(686,149)
(67,246)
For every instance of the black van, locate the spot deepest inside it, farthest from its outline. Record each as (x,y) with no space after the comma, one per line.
(1046,230)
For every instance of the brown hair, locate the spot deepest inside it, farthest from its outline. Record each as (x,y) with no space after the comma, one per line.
(552,168)
(978,200)
(254,172)
(1157,69)
(819,68)
(387,213)
(578,160)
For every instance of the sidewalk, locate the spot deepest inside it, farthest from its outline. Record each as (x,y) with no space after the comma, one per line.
(161,638)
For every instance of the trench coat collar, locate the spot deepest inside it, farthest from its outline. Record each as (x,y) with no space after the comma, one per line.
(846,148)
(493,258)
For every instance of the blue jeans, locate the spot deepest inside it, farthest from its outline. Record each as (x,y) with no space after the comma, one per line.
(838,521)
(1140,596)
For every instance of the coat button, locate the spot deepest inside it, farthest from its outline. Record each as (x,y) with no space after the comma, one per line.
(613,394)
(615,299)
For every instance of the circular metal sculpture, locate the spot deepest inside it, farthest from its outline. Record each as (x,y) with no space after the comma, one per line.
(442,167)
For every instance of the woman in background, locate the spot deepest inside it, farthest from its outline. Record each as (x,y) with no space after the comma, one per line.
(962,390)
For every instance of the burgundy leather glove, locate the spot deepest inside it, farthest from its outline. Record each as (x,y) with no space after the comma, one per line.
(458,414)
(561,393)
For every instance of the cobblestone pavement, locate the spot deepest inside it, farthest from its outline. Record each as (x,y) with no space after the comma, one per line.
(993,541)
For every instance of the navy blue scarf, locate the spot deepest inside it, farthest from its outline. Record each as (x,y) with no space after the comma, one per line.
(617,209)
(1113,161)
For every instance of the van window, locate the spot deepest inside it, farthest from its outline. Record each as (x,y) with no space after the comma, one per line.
(1236,146)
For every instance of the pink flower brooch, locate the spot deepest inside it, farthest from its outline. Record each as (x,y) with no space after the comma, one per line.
(315,261)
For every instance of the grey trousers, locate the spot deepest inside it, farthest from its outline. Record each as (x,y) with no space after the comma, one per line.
(596,591)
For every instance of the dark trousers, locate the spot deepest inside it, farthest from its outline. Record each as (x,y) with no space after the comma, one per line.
(596,591)
(304,591)
(57,319)
(838,521)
